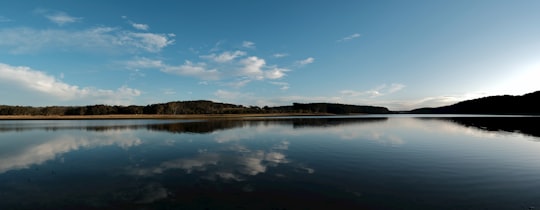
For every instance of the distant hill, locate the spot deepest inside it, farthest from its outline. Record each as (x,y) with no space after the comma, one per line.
(506,104)
(190,107)
(339,108)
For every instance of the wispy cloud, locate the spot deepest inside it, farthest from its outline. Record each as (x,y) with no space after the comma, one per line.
(248,44)
(144,63)
(62,18)
(224,57)
(435,101)
(149,41)
(350,37)
(239,83)
(305,61)
(138,26)
(442,100)
(282,85)
(168,91)
(247,69)
(101,39)
(198,70)
(280,55)
(395,87)
(375,92)
(39,82)
(4,19)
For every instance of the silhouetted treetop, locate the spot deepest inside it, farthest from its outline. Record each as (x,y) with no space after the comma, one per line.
(505,104)
(189,107)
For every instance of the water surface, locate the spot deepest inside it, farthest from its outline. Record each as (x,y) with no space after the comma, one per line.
(372,162)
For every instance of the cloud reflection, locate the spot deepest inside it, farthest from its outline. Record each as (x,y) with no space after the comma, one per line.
(29,153)
(233,163)
(189,164)
(151,193)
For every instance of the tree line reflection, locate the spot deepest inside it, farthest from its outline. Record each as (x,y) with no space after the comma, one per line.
(524,125)
(201,127)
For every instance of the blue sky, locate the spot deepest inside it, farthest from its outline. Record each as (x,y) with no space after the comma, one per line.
(398,54)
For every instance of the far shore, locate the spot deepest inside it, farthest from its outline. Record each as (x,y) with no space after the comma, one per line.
(148,116)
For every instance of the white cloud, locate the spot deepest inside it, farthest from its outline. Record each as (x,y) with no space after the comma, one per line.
(350,37)
(275,73)
(254,67)
(227,65)
(280,55)
(224,57)
(140,26)
(148,41)
(306,61)
(248,44)
(144,63)
(101,39)
(193,69)
(62,18)
(41,83)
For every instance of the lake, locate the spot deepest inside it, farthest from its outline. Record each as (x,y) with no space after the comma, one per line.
(338,162)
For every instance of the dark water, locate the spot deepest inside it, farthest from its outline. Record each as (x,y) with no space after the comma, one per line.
(369,162)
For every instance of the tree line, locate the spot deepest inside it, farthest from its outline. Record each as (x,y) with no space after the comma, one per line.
(506,104)
(188,107)
(170,108)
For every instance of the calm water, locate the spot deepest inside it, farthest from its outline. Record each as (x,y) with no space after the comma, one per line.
(368,162)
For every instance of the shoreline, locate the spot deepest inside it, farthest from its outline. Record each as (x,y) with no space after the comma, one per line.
(148,116)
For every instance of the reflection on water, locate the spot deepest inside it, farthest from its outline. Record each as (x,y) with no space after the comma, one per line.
(21,153)
(175,126)
(275,163)
(525,125)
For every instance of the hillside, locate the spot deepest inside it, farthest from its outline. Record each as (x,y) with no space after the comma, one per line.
(339,108)
(189,107)
(506,104)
